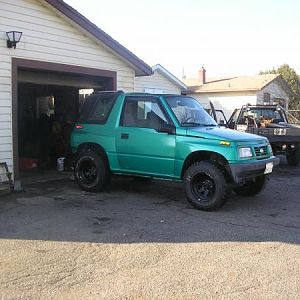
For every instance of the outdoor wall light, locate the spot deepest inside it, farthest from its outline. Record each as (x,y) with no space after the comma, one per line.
(13,37)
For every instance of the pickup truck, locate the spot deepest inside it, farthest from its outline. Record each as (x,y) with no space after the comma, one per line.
(270,121)
(167,137)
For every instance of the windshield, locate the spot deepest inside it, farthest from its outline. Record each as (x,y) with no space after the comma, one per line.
(262,115)
(189,112)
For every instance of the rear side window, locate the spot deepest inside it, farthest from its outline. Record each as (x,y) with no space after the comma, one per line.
(100,111)
(97,109)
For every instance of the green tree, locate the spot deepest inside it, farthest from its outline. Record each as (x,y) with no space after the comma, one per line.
(293,80)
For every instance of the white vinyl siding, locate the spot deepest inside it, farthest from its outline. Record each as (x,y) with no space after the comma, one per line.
(157,81)
(225,101)
(274,90)
(47,36)
(5,110)
(228,101)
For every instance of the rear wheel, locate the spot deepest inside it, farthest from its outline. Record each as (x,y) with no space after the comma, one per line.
(205,186)
(91,171)
(251,188)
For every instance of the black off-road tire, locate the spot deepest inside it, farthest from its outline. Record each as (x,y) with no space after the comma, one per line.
(91,171)
(205,186)
(251,188)
(293,157)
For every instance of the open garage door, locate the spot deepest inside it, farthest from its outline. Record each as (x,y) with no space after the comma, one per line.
(46,105)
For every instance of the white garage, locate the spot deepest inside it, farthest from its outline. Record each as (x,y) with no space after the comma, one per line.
(59,54)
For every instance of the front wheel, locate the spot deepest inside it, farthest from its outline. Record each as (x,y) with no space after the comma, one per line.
(293,157)
(205,186)
(91,171)
(251,188)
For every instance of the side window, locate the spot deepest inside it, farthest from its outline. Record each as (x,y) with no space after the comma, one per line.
(143,113)
(267,98)
(100,111)
(153,91)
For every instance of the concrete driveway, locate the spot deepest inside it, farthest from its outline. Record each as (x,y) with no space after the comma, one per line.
(142,240)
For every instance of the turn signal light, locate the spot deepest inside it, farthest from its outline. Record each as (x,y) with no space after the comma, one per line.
(224,143)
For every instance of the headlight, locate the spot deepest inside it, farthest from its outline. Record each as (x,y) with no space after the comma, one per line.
(245,152)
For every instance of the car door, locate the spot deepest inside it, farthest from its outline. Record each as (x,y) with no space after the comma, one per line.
(218,115)
(140,147)
(233,118)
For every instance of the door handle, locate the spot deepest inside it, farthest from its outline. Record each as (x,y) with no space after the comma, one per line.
(124,135)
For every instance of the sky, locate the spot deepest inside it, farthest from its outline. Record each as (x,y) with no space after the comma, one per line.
(226,37)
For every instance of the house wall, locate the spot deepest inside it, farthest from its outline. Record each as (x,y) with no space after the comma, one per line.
(157,81)
(47,36)
(275,90)
(226,101)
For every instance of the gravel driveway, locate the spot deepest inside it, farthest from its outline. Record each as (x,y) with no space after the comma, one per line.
(142,240)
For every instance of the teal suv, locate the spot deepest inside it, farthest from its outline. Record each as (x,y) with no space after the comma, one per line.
(167,137)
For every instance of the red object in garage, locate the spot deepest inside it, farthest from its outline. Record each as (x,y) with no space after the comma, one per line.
(28,163)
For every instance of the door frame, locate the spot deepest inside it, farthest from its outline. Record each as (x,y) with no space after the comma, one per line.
(19,63)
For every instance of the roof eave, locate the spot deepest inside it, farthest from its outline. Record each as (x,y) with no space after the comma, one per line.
(222,91)
(270,81)
(171,77)
(140,67)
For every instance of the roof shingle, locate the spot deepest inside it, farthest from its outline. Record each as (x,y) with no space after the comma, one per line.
(233,84)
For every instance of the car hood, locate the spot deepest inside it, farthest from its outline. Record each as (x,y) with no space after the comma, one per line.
(221,133)
(283,125)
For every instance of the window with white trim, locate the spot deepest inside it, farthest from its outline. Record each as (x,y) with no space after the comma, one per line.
(153,91)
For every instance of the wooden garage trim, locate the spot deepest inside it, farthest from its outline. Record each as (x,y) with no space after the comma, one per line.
(18,63)
(47,66)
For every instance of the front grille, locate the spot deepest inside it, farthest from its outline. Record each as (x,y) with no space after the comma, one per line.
(261,152)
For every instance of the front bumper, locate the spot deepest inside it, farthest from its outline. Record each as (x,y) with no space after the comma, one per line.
(242,172)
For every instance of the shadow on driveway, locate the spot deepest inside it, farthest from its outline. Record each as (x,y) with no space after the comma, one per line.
(150,212)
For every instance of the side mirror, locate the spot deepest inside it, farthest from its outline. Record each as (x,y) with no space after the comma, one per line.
(167,128)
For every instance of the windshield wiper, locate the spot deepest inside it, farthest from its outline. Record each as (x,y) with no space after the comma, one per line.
(191,123)
(198,124)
